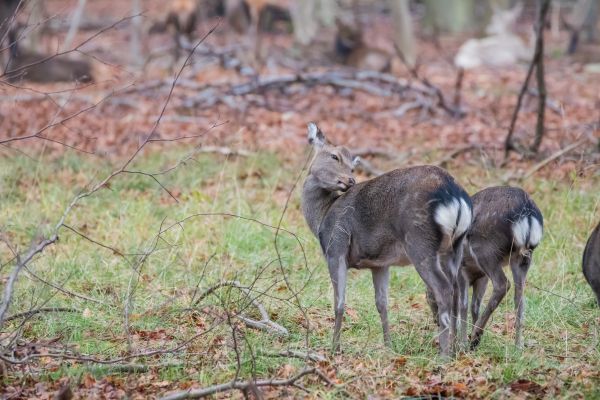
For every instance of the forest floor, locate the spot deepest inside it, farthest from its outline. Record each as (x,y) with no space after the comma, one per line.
(134,258)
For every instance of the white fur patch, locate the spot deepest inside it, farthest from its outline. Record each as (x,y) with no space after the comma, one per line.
(535,235)
(466,218)
(446,215)
(520,231)
(527,227)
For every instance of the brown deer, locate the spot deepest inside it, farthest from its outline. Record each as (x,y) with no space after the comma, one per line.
(507,227)
(591,262)
(351,50)
(417,215)
(31,66)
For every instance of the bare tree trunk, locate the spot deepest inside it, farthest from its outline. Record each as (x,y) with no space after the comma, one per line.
(303,19)
(403,32)
(541,83)
(327,12)
(538,63)
(448,15)
(136,33)
(75,22)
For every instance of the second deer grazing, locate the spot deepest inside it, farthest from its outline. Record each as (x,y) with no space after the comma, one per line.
(417,215)
(591,262)
(507,227)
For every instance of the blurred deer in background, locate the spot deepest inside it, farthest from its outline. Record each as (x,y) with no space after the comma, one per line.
(591,262)
(502,47)
(23,64)
(253,17)
(352,51)
(507,227)
(417,215)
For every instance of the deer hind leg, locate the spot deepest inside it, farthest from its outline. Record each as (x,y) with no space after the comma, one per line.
(519,267)
(338,272)
(381,280)
(479,287)
(463,306)
(428,265)
(493,269)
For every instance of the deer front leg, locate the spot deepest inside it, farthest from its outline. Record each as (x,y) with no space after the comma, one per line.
(381,279)
(432,304)
(519,268)
(338,271)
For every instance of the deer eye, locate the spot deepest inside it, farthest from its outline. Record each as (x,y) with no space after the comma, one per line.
(335,157)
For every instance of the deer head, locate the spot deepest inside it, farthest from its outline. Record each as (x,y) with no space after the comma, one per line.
(332,166)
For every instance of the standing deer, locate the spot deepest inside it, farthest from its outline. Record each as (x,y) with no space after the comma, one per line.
(507,227)
(417,215)
(591,262)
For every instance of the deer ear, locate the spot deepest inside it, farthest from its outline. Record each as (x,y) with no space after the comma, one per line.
(315,136)
(355,161)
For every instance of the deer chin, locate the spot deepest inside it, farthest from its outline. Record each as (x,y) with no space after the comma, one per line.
(343,187)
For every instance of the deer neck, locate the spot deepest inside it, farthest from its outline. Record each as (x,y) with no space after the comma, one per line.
(316,202)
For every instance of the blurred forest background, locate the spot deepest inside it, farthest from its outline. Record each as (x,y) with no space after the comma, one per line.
(121,122)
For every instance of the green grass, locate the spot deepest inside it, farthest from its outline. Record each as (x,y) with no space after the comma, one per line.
(562,320)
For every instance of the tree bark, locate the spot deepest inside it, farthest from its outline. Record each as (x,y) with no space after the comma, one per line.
(403,31)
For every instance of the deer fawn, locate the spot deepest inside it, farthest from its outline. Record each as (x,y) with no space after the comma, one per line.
(417,215)
(591,262)
(507,227)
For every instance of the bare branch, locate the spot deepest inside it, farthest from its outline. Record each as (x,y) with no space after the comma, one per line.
(243,386)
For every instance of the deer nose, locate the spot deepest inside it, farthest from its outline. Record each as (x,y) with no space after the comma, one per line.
(351,181)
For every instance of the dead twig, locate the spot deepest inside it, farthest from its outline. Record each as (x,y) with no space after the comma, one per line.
(546,161)
(553,157)
(264,324)
(442,102)
(311,355)
(246,385)
(28,314)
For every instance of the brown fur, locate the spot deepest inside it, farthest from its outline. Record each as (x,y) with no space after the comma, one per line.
(351,50)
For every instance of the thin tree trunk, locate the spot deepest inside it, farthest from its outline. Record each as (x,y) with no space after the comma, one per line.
(75,22)
(136,34)
(403,32)
(303,19)
(538,63)
(539,45)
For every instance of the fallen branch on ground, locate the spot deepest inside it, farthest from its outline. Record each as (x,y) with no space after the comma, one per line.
(546,161)
(248,385)
(312,356)
(27,314)
(264,324)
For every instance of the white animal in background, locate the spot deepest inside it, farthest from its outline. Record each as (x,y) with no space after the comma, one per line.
(501,48)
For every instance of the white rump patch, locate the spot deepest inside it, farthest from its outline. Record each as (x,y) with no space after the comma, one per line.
(447,214)
(535,235)
(466,218)
(520,231)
